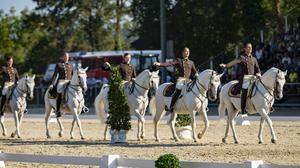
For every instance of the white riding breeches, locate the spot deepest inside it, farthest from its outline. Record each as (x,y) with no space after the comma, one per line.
(247,81)
(7,86)
(181,82)
(61,86)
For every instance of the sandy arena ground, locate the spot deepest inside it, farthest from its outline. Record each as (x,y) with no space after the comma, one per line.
(209,148)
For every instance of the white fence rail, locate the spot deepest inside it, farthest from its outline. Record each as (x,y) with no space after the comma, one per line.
(114,161)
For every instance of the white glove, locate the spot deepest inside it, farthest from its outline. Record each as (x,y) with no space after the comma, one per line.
(51,86)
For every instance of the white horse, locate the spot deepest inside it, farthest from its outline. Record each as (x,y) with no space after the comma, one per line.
(74,102)
(270,86)
(194,98)
(137,100)
(17,102)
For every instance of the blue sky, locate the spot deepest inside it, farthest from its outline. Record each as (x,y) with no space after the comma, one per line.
(18,4)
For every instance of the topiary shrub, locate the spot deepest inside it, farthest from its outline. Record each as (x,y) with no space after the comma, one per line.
(167,161)
(183,120)
(119,115)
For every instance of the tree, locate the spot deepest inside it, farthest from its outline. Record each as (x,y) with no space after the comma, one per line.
(119,115)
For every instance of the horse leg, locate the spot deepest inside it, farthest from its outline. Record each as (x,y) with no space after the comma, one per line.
(139,130)
(158,115)
(193,123)
(172,125)
(226,130)
(20,115)
(143,124)
(47,117)
(264,114)
(206,122)
(140,121)
(105,132)
(2,125)
(76,117)
(72,128)
(16,124)
(261,126)
(232,113)
(61,127)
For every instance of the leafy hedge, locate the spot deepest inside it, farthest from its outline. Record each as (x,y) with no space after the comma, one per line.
(119,114)
(167,161)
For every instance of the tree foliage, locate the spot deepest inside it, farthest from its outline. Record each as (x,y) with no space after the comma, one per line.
(119,115)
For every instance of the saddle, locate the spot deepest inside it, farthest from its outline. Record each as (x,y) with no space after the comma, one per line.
(52,93)
(169,90)
(233,90)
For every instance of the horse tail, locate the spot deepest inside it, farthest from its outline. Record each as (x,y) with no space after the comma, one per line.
(152,106)
(99,105)
(222,106)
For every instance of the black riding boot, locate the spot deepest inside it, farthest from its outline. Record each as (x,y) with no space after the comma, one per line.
(3,99)
(243,100)
(58,103)
(174,99)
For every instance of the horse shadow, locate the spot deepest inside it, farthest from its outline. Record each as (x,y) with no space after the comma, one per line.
(80,143)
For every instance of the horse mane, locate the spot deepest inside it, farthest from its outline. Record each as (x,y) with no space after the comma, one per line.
(270,71)
(142,73)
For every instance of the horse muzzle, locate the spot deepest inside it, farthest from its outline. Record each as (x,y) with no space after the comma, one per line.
(278,96)
(30,97)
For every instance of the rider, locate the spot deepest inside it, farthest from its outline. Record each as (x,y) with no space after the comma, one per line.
(247,65)
(62,75)
(184,70)
(10,78)
(126,69)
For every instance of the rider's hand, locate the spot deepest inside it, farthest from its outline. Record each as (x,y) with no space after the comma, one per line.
(156,63)
(258,75)
(51,86)
(133,79)
(222,65)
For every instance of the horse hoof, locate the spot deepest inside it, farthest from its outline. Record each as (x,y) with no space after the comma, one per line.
(177,140)
(274,141)
(12,135)
(142,137)
(260,142)
(72,137)
(236,142)
(82,138)
(4,134)
(157,140)
(199,136)
(48,136)
(195,140)
(223,140)
(60,134)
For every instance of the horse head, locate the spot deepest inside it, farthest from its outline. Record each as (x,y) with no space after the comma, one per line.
(148,79)
(79,78)
(280,81)
(27,85)
(212,81)
(274,80)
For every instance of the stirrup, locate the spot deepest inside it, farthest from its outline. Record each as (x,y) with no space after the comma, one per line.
(85,110)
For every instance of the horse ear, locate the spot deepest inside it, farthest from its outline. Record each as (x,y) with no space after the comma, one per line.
(85,69)
(220,75)
(33,76)
(285,72)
